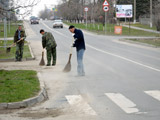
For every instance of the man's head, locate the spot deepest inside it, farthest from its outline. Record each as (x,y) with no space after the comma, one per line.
(42,32)
(71,29)
(19,27)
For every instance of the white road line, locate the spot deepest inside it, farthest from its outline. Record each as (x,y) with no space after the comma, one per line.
(54,30)
(80,104)
(123,102)
(118,56)
(132,61)
(154,93)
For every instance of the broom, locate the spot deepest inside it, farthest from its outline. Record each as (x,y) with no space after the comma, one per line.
(67,68)
(42,62)
(9,48)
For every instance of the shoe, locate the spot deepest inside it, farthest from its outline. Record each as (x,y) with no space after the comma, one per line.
(16,60)
(53,64)
(48,65)
(80,75)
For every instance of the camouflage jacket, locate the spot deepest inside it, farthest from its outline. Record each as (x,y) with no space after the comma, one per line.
(48,40)
(22,35)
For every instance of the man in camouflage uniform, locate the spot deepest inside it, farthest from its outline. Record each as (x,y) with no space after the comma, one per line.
(19,38)
(49,43)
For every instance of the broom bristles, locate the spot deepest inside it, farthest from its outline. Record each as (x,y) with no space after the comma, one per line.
(42,62)
(8,49)
(67,68)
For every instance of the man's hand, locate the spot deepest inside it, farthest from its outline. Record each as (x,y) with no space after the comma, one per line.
(22,39)
(73,35)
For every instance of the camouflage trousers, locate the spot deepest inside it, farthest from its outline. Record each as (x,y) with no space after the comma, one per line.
(51,53)
(19,51)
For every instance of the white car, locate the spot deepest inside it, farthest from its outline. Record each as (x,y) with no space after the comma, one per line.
(57,23)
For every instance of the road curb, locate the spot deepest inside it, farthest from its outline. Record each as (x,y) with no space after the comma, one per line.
(42,96)
(24,59)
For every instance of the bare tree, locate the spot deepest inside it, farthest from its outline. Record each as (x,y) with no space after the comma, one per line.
(21,7)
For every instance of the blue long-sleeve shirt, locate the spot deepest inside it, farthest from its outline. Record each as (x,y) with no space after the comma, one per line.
(79,40)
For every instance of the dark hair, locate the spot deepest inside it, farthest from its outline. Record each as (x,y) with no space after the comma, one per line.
(41,30)
(71,26)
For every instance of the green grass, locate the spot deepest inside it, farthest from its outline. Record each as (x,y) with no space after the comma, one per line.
(11,54)
(144,26)
(155,42)
(13,28)
(110,30)
(17,85)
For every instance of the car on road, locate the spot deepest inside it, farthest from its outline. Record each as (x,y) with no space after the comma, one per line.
(34,20)
(57,23)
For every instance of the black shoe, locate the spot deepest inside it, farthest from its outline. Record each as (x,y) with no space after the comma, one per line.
(53,64)
(16,60)
(48,65)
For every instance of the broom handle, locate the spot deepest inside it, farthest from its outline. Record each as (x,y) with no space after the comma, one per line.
(12,45)
(71,46)
(42,54)
(16,42)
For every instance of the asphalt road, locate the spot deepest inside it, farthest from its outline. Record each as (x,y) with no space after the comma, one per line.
(122,80)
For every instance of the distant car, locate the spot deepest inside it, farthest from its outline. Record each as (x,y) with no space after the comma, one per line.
(57,23)
(34,21)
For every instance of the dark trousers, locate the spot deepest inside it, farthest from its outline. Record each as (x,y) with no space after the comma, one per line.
(51,53)
(19,51)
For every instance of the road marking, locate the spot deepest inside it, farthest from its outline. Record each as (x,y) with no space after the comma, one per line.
(123,102)
(154,93)
(132,61)
(80,104)
(118,56)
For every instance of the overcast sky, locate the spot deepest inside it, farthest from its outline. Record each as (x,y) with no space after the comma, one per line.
(40,6)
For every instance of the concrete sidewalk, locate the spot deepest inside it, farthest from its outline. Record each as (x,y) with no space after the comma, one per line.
(52,76)
(138,28)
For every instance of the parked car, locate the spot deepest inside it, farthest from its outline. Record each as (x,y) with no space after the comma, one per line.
(57,23)
(34,20)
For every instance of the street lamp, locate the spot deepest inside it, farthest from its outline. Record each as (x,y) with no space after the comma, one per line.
(134,11)
(151,14)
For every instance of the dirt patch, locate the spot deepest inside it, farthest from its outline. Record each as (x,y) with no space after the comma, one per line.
(8,111)
(41,114)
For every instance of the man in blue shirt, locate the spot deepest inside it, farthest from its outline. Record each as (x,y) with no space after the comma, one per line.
(79,43)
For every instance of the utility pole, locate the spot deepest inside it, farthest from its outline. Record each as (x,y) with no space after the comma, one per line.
(151,17)
(134,11)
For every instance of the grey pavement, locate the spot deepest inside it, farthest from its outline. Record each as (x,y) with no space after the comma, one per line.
(121,82)
(10,38)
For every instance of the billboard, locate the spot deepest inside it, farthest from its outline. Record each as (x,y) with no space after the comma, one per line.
(124,11)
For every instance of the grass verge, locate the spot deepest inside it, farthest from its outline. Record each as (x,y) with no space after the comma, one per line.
(144,26)
(17,85)
(155,42)
(13,28)
(110,30)
(11,54)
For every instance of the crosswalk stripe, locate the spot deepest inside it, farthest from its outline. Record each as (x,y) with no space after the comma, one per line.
(154,93)
(123,102)
(80,104)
